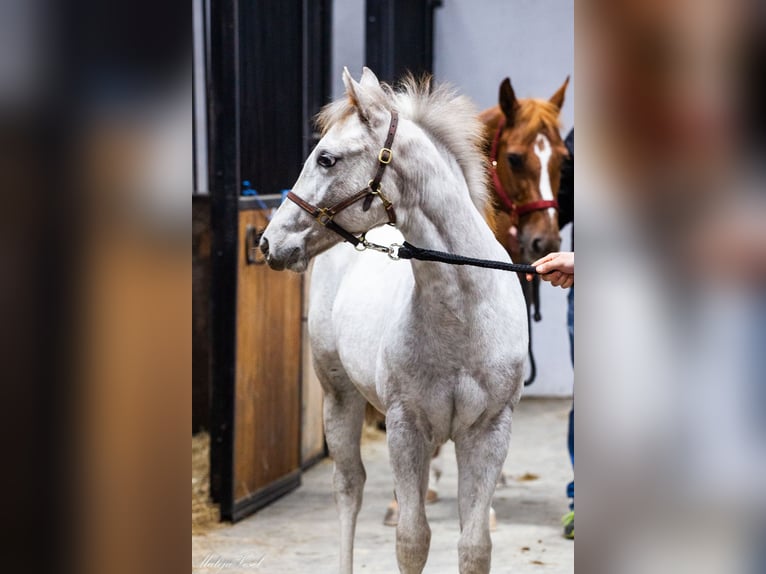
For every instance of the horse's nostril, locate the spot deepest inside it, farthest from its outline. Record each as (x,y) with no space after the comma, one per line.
(264,245)
(537,245)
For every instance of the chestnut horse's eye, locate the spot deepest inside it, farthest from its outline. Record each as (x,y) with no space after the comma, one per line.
(516,160)
(326,160)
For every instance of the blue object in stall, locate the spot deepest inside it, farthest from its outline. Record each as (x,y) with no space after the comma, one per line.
(284,193)
(247,190)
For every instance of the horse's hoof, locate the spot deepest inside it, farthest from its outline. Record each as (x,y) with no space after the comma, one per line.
(492,520)
(392,514)
(431,496)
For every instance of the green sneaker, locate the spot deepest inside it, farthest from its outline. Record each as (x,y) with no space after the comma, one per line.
(568,522)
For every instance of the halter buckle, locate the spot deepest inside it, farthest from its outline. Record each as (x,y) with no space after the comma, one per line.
(323,217)
(385,155)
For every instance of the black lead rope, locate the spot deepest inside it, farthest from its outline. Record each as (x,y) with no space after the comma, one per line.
(409,251)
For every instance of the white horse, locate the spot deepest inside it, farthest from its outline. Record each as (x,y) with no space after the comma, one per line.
(439,348)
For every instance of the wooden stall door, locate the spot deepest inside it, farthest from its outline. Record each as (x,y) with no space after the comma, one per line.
(267,404)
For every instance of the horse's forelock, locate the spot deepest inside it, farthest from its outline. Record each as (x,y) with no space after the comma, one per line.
(333,113)
(535,116)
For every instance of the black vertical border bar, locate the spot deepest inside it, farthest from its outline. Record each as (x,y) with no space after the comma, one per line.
(399,37)
(317,65)
(379,38)
(224,157)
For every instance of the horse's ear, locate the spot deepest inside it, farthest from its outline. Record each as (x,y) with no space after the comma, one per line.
(362,94)
(558,98)
(351,86)
(369,79)
(508,102)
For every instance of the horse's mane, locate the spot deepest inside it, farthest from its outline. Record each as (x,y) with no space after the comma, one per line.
(534,116)
(442,113)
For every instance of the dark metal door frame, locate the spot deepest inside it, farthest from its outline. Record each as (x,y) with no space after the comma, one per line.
(237,133)
(399,37)
(224,168)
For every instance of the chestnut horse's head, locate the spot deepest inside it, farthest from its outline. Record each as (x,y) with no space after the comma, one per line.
(526,152)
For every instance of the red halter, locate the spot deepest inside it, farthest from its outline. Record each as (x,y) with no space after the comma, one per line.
(524,208)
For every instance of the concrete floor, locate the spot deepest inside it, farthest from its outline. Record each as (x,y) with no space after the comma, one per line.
(298,533)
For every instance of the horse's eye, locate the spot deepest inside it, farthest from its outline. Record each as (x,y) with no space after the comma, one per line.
(326,160)
(516,160)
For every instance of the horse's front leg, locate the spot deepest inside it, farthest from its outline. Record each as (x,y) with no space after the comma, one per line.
(435,474)
(410,457)
(480,455)
(392,512)
(343,417)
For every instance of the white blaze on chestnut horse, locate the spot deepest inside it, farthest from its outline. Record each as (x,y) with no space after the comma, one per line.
(440,349)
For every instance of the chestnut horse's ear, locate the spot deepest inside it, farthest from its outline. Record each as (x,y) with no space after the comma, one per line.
(558,98)
(508,102)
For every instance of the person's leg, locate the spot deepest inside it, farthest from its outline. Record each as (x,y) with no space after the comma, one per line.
(570,322)
(568,519)
(570,486)
(570,434)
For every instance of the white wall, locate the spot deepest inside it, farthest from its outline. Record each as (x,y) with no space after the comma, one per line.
(477,43)
(348,25)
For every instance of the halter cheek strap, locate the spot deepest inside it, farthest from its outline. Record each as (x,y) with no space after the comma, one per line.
(385,155)
(493,162)
(514,209)
(325,215)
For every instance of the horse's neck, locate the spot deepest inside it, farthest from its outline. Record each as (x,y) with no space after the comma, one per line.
(440,215)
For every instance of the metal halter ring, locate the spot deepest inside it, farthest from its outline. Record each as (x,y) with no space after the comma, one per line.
(393,251)
(372,190)
(389,154)
(323,217)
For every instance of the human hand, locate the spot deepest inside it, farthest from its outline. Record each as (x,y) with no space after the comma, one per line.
(557,268)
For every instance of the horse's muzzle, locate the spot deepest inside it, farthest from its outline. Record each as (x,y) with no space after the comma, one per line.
(280,259)
(543,245)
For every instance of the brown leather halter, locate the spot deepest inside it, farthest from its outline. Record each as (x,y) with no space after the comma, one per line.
(517,210)
(325,215)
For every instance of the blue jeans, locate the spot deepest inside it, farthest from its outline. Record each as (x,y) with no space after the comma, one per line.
(570,434)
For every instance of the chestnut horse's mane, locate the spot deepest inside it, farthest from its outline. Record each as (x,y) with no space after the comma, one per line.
(442,113)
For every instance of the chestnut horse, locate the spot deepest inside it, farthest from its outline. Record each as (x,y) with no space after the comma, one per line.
(525,152)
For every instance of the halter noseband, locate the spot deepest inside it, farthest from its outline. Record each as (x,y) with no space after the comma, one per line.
(325,215)
(523,208)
